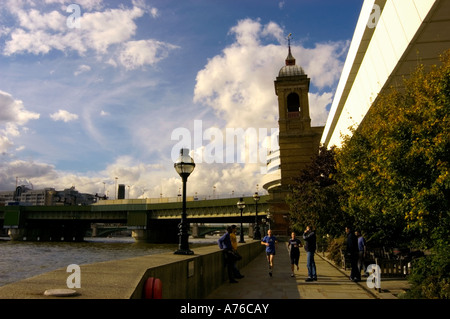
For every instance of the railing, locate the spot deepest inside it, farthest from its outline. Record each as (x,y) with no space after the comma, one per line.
(293,115)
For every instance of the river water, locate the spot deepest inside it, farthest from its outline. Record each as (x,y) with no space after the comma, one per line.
(21,260)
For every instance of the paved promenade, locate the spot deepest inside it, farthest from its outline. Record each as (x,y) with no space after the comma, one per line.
(332,283)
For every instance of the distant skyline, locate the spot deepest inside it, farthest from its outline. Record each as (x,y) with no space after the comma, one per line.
(82,104)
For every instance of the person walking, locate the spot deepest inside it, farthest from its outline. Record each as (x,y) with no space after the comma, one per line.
(361,252)
(225,245)
(353,253)
(270,241)
(294,245)
(237,274)
(310,247)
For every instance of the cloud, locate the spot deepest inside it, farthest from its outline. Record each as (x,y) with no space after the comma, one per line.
(24,171)
(41,32)
(85,4)
(13,115)
(5,144)
(238,83)
(319,113)
(108,34)
(81,69)
(63,115)
(135,54)
(13,111)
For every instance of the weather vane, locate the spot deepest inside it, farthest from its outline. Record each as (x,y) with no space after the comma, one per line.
(289,38)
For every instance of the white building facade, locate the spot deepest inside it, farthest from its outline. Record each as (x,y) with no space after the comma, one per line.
(392,37)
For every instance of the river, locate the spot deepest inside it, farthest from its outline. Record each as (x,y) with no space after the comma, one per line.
(21,259)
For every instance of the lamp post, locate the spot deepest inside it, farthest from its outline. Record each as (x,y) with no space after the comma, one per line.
(184,167)
(241,205)
(256,234)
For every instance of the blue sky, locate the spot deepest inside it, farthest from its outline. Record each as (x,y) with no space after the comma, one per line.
(83,105)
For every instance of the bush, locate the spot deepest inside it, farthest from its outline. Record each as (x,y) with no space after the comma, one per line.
(430,277)
(334,247)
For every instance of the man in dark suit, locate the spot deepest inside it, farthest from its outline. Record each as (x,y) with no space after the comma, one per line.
(353,253)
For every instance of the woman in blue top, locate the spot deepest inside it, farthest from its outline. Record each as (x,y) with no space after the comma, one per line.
(269,241)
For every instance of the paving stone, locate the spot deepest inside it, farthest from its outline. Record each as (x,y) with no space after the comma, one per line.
(332,282)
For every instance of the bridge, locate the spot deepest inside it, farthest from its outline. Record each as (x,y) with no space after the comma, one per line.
(150,220)
(196,230)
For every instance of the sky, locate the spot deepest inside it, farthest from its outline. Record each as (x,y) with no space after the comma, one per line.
(96,93)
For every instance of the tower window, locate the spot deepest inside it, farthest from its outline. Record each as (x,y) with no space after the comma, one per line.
(293,102)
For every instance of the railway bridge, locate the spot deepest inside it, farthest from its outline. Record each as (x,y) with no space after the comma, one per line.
(150,220)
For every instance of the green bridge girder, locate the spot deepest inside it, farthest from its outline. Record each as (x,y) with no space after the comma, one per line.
(135,213)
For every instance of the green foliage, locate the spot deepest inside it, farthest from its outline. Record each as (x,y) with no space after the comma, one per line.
(395,171)
(430,276)
(334,247)
(395,168)
(314,198)
(390,179)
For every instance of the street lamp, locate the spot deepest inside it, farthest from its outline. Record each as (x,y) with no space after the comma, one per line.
(256,234)
(184,167)
(241,205)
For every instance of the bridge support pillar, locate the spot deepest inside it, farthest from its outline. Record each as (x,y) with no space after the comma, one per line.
(251,228)
(139,235)
(94,230)
(16,233)
(196,231)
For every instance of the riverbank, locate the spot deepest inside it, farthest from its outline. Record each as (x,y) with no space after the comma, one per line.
(182,276)
(21,259)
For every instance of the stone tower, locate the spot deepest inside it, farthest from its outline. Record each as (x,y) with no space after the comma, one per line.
(298,141)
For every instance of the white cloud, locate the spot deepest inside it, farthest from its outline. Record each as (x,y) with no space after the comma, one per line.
(5,144)
(81,69)
(25,171)
(63,115)
(34,20)
(108,32)
(318,112)
(100,30)
(154,12)
(12,116)
(238,84)
(84,4)
(13,111)
(135,54)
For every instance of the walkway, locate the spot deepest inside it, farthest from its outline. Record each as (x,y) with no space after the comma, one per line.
(332,283)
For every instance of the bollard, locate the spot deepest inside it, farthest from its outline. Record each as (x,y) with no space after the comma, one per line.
(153,288)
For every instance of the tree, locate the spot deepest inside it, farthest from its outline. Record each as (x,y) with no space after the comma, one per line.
(395,168)
(315,196)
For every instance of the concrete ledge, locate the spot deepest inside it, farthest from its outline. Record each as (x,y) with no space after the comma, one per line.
(194,276)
